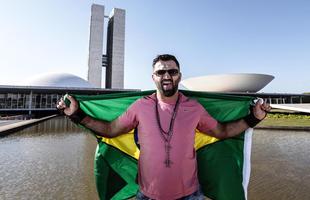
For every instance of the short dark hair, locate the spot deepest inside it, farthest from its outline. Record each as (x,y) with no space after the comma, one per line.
(166,57)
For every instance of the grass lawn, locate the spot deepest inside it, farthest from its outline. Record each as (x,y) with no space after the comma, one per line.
(286,120)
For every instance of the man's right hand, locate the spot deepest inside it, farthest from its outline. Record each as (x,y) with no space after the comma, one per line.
(74,105)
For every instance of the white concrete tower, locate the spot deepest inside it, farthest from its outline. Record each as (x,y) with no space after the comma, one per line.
(96,45)
(116,49)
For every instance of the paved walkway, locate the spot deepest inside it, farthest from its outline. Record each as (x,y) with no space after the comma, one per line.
(9,126)
(299,107)
(7,122)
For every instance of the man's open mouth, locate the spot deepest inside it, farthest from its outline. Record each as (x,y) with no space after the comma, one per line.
(167,84)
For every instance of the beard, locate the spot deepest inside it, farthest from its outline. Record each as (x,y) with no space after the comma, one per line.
(168,92)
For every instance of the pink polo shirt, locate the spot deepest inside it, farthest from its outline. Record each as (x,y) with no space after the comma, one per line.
(155,179)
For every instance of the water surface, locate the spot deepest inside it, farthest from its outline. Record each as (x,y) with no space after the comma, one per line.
(51,160)
(54,160)
(280,165)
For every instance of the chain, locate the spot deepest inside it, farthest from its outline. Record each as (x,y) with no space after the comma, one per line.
(166,136)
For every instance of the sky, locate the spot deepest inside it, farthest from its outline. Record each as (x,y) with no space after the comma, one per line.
(207,36)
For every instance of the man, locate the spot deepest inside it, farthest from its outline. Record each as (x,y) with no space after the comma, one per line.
(166,123)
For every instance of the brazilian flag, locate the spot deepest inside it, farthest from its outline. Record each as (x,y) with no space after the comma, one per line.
(223,165)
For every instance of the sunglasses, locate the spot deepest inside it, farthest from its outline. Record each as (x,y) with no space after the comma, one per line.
(171,72)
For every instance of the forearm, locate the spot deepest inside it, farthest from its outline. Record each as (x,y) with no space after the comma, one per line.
(232,129)
(100,127)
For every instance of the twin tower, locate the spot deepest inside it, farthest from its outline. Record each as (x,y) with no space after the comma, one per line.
(113,59)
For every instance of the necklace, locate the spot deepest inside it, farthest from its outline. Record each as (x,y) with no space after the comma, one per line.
(166,136)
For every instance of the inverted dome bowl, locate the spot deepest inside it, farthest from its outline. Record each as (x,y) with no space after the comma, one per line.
(242,82)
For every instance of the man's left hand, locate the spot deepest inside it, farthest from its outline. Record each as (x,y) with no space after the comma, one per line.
(260,109)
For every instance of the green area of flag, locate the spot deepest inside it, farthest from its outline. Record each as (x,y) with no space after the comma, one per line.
(220,164)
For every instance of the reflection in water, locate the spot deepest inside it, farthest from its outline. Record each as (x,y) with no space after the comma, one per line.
(51,160)
(54,160)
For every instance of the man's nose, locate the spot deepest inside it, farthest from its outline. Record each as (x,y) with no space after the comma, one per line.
(167,75)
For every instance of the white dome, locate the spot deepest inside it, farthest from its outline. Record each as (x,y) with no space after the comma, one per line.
(228,82)
(58,80)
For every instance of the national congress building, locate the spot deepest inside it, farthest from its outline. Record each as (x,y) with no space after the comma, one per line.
(39,95)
